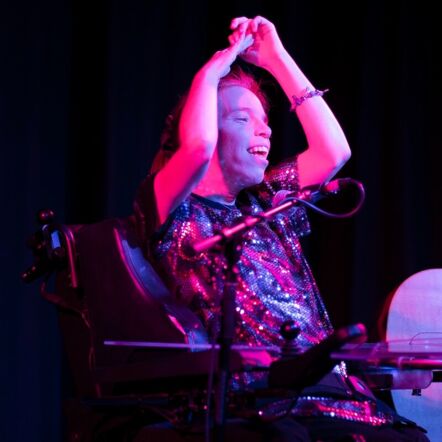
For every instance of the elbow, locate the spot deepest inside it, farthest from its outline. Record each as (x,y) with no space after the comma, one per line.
(341,156)
(200,143)
(346,154)
(201,150)
(333,163)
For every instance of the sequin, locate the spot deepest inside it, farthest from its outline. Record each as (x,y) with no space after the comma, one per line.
(318,406)
(274,281)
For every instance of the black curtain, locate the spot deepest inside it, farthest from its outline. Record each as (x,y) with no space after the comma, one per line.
(85,88)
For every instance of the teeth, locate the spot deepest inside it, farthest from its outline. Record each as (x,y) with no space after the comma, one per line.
(258,150)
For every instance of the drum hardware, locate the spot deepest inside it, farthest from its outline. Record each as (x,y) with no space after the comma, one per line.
(290,331)
(437,376)
(401,354)
(192,347)
(413,325)
(309,367)
(397,364)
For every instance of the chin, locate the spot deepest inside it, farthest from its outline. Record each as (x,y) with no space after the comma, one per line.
(251,179)
(255,180)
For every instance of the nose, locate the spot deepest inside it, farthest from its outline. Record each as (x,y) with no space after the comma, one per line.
(264,130)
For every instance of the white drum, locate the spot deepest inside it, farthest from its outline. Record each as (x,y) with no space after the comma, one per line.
(415,314)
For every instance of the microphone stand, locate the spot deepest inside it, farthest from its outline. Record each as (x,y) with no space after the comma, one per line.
(226,234)
(231,249)
(229,239)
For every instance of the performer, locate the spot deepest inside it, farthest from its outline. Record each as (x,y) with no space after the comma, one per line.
(210,171)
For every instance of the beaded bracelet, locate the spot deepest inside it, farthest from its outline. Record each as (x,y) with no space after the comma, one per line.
(297,101)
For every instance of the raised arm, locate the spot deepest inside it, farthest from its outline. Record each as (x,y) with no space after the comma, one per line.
(198,131)
(327,149)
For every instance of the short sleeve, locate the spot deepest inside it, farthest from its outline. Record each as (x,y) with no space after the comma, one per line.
(284,176)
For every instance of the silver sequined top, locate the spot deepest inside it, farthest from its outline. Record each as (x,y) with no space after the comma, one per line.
(274,280)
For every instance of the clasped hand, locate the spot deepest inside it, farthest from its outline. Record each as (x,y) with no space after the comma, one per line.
(265,45)
(254,40)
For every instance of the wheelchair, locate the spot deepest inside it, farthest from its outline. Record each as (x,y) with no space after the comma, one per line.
(142,364)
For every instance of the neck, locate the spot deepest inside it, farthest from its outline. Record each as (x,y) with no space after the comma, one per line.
(215,192)
(214,187)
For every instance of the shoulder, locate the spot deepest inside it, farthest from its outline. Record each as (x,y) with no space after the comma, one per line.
(282,176)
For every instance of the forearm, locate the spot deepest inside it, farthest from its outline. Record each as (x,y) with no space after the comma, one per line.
(326,140)
(198,127)
(197,132)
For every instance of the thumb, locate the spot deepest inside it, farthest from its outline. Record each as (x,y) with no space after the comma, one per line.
(247,41)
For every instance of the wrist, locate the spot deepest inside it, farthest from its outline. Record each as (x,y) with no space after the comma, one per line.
(307,93)
(206,76)
(280,62)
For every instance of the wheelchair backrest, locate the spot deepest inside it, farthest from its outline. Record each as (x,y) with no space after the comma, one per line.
(122,297)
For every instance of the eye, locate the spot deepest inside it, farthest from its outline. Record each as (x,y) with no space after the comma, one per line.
(244,119)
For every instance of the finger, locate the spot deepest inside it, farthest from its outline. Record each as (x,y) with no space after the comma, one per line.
(218,54)
(237,21)
(235,35)
(243,26)
(228,55)
(239,41)
(246,43)
(258,20)
(254,24)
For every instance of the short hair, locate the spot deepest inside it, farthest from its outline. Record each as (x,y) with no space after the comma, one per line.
(169,141)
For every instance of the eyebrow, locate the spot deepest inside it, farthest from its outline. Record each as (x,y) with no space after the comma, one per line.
(248,110)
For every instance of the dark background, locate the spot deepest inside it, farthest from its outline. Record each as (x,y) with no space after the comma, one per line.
(85,88)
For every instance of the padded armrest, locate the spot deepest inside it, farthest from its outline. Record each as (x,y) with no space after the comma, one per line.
(166,365)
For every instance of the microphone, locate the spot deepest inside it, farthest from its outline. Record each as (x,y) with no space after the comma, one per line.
(313,193)
(281,201)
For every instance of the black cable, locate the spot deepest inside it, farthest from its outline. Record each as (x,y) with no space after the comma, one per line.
(334,215)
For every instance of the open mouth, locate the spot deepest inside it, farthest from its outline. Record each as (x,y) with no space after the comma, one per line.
(260,151)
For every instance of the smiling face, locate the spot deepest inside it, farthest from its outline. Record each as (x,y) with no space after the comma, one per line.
(243,137)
